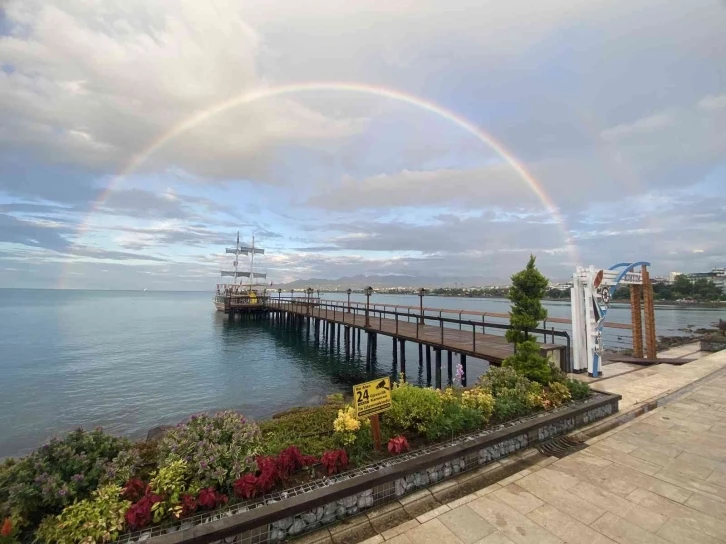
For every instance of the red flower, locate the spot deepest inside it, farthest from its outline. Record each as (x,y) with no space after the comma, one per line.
(334,461)
(397,444)
(7,527)
(246,486)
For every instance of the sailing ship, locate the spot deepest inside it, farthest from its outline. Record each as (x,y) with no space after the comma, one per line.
(249,293)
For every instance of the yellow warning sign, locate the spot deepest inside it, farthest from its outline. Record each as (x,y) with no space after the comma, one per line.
(372,397)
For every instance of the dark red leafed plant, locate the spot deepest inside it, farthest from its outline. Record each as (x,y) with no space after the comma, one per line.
(7,528)
(189,505)
(397,444)
(246,486)
(134,489)
(209,498)
(139,514)
(334,461)
(268,473)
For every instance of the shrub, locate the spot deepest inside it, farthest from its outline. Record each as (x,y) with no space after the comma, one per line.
(140,513)
(270,471)
(310,429)
(479,400)
(397,445)
(218,449)
(53,476)
(454,419)
(578,390)
(498,378)
(557,394)
(334,461)
(528,362)
(169,482)
(209,498)
(99,519)
(346,425)
(413,408)
(510,404)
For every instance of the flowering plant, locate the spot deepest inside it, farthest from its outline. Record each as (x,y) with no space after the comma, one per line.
(346,425)
(53,476)
(272,470)
(479,400)
(397,444)
(218,448)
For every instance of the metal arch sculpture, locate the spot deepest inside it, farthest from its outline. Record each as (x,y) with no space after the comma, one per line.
(591,294)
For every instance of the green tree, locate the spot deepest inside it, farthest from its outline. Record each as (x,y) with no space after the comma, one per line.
(528,288)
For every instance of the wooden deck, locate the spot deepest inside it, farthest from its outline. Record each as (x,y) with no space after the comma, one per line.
(490,347)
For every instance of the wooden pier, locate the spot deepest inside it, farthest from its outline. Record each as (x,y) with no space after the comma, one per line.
(341,325)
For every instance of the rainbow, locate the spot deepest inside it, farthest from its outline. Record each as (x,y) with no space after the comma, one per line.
(281,90)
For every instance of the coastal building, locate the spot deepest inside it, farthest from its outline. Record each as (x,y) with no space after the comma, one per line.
(717,276)
(673,275)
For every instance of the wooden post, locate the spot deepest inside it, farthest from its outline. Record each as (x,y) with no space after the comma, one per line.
(428,365)
(635,319)
(337,340)
(449,364)
(420,354)
(463,367)
(368,353)
(403,358)
(438,367)
(395,353)
(649,315)
(376,428)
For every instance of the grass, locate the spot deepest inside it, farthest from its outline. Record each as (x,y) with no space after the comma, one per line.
(310,429)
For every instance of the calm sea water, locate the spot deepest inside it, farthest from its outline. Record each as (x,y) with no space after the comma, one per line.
(129,361)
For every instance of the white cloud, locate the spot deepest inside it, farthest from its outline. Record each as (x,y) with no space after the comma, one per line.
(641,126)
(712,102)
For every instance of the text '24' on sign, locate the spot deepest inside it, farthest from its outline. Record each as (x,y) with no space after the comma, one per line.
(372,397)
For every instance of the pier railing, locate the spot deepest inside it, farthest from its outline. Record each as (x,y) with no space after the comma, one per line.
(371,318)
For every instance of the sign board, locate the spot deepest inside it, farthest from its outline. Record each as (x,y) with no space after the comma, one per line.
(635,278)
(372,397)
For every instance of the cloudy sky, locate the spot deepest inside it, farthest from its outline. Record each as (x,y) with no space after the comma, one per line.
(137,137)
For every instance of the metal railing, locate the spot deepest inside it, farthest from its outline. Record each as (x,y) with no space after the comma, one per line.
(337,311)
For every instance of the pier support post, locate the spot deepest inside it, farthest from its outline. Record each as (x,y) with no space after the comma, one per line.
(337,339)
(636,320)
(420,354)
(449,365)
(463,367)
(359,338)
(403,357)
(428,366)
(438,367)
(369,345)
(395,354)
(346,340)
(649,315)
(352,348)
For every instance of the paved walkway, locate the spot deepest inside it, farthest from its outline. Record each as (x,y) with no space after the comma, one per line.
(659,479)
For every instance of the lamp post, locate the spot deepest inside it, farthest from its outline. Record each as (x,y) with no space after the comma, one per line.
(292,293)
(421,293)
(279,294)
(369,292)
(349,291)
(310,297)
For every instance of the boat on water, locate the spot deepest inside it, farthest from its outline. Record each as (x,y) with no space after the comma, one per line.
(238,293)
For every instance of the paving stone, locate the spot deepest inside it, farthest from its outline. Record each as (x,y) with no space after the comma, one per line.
(564,500)
(378,539)
(431,514)
(678,532)
(642,517)
(624,532)
(400,539)
(616,445)
(560,479)
(467,525)
(432,532)
(625,459)
(402,528)
(489,489)
(688,482)
(421,506)
(713,506)
(701,461)
(514,477)
(511,523)
(388,520)
(567,528)
(518,498)
(495,538)
(717,477)
(696,519)
(462,501)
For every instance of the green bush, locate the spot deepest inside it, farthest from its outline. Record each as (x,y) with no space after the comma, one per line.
(528,362)
(556,395)
(455,418)
(579,390)
(56,474)
(413,408)
(510,404)
(480,400)
(310,429)
(218,449)
(498,378)
(96,520)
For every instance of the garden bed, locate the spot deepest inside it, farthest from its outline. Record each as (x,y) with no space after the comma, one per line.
(295,511)
(284,476)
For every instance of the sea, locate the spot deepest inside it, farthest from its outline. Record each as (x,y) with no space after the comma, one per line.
(129,361)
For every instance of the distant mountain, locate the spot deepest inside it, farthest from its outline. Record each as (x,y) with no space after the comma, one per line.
(387,281)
